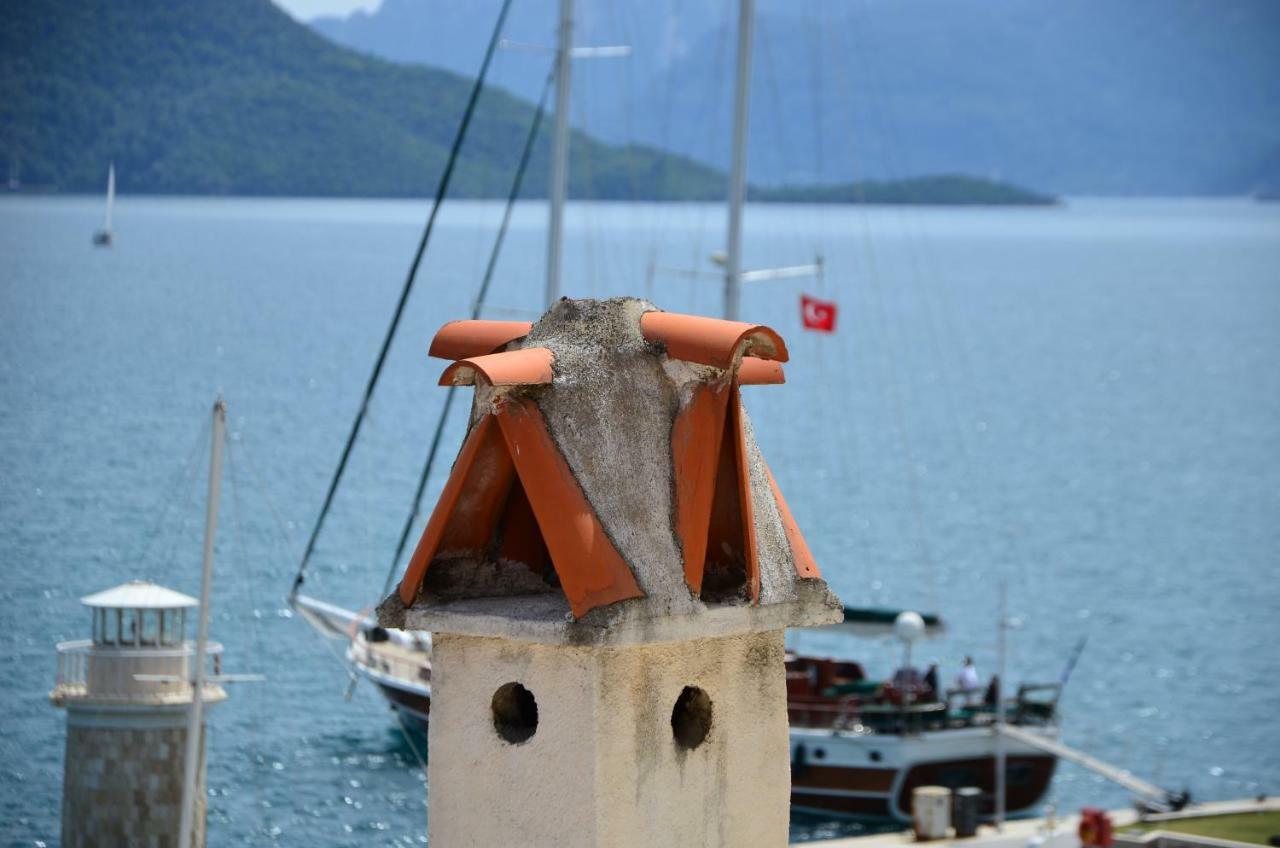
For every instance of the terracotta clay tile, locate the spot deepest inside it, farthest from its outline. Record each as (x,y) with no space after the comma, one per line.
(711,341)
(591,571)
(805,564)
(529,367)
(521,539)
(461,339)
(430,541)
(474,519)
(695,450)
(760,372)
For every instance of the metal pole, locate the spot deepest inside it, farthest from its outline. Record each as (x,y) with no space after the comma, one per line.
(559,151)
(190,777)
(738,168)
(1000,737)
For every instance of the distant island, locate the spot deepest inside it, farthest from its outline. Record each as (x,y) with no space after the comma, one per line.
(941,190)
(237,98)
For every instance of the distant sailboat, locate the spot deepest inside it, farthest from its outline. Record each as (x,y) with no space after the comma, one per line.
(102,238)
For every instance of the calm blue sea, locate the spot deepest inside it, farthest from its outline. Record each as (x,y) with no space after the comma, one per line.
(1082,402)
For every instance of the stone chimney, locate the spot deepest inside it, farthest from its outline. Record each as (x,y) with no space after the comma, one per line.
(608,575)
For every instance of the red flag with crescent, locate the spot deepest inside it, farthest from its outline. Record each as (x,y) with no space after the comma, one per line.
(817,314)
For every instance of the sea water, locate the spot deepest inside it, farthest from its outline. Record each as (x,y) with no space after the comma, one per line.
(1081,403)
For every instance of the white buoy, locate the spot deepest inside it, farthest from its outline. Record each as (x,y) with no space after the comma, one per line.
(908,626)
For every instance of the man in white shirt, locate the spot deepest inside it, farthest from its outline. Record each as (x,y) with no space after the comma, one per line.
(967,681)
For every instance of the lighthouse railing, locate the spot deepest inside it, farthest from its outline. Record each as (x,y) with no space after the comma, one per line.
(89,670)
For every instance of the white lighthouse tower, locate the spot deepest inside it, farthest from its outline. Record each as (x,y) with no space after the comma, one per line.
(128,695)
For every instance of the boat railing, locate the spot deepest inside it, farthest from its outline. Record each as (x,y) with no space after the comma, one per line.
(842,714)
(1037,703)
(87,670)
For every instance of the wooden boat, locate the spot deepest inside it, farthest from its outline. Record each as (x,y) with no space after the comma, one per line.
(860,746)
(397,662)
(860,754)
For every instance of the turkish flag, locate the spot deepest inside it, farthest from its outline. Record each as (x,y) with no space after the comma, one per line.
(817,314)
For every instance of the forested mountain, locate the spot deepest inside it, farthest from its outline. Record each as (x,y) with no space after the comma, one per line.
(1088,96)
(235,97)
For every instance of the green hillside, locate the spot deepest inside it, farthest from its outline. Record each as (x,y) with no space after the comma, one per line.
(235,97)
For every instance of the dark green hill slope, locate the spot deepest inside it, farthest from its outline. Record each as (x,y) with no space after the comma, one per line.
(235,97)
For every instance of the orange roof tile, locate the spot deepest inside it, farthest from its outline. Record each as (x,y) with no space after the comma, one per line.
(528,367)
(591,571)
(801,556)
(711,341)
(482,433)
(695,453)
(460,339)
(760,372)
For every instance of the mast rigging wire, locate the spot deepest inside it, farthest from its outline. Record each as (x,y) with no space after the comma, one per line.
(525,155)
(445,177)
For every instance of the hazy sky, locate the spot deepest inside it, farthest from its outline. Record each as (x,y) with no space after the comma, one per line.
(306,9)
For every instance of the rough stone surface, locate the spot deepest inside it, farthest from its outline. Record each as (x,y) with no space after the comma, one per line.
(773,551)
(123,787)
(604,766)
(610,409)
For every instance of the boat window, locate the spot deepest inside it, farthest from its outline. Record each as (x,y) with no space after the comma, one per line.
(150,626)
(100,634)
(819,753)
(875,756)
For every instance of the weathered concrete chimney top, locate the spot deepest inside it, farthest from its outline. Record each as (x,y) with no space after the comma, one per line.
(610,488)
(607,576)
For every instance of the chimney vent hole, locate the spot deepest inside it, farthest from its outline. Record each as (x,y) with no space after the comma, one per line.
(691,718)
(515,713)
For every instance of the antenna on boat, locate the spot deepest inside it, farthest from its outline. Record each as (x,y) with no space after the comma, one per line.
(908,626)
(738,166)
(730,261)
(559,150)
(565,54)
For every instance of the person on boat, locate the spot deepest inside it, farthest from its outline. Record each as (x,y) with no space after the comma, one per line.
(967,681)
(931,682)
(992,696)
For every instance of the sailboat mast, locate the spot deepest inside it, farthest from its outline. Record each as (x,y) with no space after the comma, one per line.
(111,195)
(559,151)
(192,765)
(738,166)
